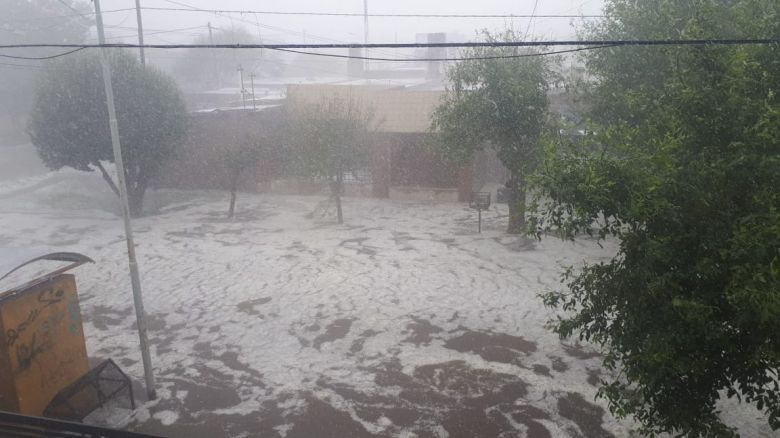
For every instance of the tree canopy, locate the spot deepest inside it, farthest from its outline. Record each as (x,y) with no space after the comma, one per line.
(69,122)
(497,103)
(684,171)
(247,154)
(330,142)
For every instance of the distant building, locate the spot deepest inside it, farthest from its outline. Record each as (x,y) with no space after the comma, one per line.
(201,164)
(402,167)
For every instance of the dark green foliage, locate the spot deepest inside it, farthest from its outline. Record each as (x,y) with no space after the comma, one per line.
(69,122)
(685,173)
(498,103)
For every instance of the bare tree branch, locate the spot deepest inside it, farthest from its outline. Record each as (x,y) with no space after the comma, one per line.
(108,178)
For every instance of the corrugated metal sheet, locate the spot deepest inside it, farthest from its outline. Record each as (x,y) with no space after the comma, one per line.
(13,259)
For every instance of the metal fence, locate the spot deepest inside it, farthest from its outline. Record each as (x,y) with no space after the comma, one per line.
(15,425)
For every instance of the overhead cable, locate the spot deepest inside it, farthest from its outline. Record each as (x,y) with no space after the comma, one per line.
(471,58)
(321,14)
(531,20)
(581,45)
(361,15)
(41,58)
(539,43)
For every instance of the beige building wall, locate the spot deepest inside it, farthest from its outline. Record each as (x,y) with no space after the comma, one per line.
(395,110)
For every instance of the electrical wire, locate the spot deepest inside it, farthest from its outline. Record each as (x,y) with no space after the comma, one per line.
(581,46)
(80,14)
(322,14)
(155,32)
(473,58)
(64,3)
(191,8)
(355,14)
(259,26)
(531,20)
(535,43)
(41,58)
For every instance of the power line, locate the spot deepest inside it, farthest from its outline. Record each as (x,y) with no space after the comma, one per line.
(361,15)
(64,3)
(581,46)
(190,8)
(281,29)
(41,58)
(531,20)
(152,30)
(473,58)
(258,25)
(79,14)
(156,32)
(468,44)
(324,14)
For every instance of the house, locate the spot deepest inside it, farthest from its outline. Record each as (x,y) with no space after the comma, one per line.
(402,166)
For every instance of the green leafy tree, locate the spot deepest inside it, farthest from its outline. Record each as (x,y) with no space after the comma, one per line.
(330,142)
(497,103)
(249,153)
(27,22)
(69,122)
(684,171)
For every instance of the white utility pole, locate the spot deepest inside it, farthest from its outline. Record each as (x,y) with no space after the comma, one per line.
(135,278)
(252,82)
(140,30)
(243,90)
(214,66)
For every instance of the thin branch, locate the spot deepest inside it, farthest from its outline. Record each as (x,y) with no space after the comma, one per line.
(108,178)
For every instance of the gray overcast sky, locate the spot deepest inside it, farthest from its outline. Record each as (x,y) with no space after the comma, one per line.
(274,28)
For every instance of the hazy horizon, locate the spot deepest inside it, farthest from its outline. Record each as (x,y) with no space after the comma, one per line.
(163,26)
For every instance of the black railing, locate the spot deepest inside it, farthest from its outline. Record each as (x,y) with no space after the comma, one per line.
(93,390)
(22,426)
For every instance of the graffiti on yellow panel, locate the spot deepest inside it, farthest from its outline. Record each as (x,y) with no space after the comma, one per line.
(44,340)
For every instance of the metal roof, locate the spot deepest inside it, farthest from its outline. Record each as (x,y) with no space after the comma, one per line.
(13,259)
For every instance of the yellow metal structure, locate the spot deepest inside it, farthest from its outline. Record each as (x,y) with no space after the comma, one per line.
(42,348)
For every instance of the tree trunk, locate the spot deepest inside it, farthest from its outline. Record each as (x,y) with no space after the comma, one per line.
(336,189)
(135,198)
(136,188)
(233,189)
(517,197)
